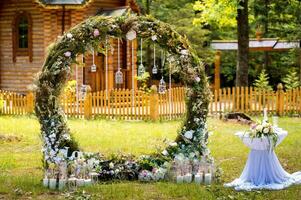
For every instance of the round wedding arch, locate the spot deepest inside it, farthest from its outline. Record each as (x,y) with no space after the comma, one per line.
(192,137)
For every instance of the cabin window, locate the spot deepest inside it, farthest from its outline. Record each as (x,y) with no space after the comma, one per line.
(22,35)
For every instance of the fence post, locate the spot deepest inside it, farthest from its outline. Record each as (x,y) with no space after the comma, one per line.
(29,102)
(88,104)
(154,103)
(280,99)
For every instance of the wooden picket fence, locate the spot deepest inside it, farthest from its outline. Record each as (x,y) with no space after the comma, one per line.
(125,104)
(253,101)
(12,103)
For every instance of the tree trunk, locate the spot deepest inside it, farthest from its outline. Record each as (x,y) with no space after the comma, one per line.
(266,29)
(243,44)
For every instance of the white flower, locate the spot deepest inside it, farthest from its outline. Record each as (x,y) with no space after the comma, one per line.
(259,128)
(111,165)
(154,38)
(131,35)
(173,144)
(67,53)
(184,52)
(69,35)
(188,134)
(266,130)
(197,79)
(165,153)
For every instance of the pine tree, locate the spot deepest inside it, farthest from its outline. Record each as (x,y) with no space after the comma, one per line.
(291,80)
(262,82)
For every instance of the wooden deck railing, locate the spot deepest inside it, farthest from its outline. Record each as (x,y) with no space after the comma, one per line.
(128,105)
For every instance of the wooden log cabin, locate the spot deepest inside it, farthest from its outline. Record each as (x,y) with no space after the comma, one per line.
(28,27)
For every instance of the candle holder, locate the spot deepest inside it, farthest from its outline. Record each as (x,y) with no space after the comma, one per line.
(72,182)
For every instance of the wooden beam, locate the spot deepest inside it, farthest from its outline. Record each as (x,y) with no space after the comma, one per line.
(217,72)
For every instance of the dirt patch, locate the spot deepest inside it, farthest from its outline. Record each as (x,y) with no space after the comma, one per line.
(9,138)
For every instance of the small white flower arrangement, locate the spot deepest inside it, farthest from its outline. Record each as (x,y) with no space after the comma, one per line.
(260,130)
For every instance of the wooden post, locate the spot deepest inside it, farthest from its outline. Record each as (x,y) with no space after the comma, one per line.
(154,103)
(29,102)
(217,63)
(280,99)
(88,104)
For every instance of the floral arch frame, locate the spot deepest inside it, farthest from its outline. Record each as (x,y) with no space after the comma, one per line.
(192,137)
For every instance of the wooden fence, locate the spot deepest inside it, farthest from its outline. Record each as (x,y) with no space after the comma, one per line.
(125,104)
(128,105)
(16,104)
(252,101)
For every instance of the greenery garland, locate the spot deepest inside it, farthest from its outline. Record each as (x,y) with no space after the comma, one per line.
(192,137)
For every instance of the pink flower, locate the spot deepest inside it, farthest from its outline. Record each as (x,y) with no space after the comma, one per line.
(67,53)
(197,79)
(96,33)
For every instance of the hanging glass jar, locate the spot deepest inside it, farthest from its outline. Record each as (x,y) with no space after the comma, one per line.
(93,68)
(162,86)
(118,77)
(155,69)
(141,70)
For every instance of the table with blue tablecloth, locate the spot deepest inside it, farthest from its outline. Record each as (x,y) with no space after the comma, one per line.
(263,169)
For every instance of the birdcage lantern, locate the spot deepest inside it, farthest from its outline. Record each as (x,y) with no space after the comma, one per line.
(141,69)
(155,69)
(162,86)
(119,77)
(93,68)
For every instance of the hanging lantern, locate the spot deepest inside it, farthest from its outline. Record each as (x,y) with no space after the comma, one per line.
(162,86)
(118,77)
(118,74)
(141,69)
(93,66)
(155,69)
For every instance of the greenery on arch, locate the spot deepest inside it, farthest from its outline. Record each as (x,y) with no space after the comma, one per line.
(191,141)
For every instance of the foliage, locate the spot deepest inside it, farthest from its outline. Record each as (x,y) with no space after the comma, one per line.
(180,15)
(262,82)
(192,138)
(143,79)
(291,80)
(70,86)
(221,13)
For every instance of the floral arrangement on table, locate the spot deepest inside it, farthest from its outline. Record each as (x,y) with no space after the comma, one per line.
(191,141)
(264,129)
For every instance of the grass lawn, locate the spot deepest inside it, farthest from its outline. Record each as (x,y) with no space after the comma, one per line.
(21,170)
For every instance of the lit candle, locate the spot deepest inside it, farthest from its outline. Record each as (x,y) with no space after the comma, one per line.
(52,183)
(198,179)
(62,184)
(180,179)
(45,182)
(208,178)
(188,178)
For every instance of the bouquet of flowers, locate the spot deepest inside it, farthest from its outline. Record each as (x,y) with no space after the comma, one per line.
(265,129)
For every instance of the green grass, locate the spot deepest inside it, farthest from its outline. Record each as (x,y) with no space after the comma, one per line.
(21,170)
